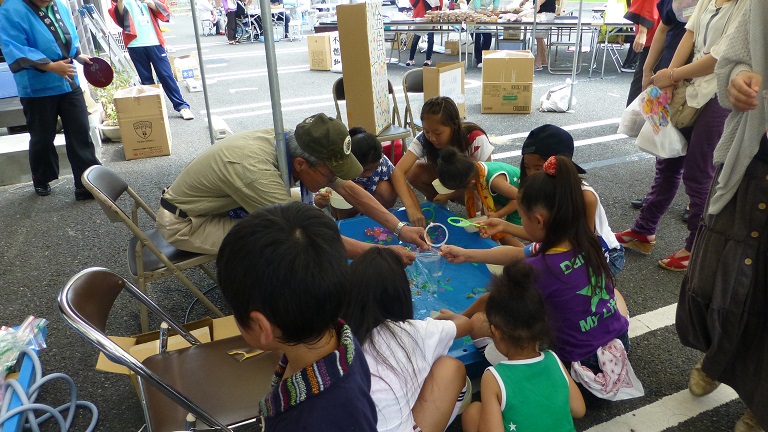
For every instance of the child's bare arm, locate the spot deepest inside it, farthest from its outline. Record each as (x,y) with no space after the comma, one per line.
(590,203)
(501,186)
(501,255)
(575,399)
(490,393)
(463,324)
(477,306)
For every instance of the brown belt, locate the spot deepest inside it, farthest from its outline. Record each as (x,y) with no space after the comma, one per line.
(164,203)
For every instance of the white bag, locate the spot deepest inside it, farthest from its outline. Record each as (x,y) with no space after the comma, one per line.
(556,98)
(631,119)
(617,381)
(667,143)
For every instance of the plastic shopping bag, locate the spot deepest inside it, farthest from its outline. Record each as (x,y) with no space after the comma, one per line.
(556,98)
(658,136)
(631,119)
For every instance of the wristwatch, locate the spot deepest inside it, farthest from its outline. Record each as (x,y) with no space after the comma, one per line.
(400,227)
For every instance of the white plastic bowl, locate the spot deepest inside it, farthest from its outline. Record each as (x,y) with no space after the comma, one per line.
(440,188)
(473,228)
(337,201)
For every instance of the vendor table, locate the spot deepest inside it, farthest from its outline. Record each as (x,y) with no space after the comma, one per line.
(593,28)
(421,26)
(456,288)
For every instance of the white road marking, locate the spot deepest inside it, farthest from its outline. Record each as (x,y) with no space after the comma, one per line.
(237,90)
(652,320)
(667,412)
(503,139)
(596,140)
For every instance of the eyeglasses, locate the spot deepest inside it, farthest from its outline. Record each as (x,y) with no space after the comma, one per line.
(331,179)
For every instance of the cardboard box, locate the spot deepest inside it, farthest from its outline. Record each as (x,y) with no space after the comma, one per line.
(446,79)
(507,84)
(143,120)
(146,344)
(452,47)
(319,51)
(184,67)
(513,34)
(361,34)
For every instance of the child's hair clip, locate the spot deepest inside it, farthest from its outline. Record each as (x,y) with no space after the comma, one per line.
(550,166)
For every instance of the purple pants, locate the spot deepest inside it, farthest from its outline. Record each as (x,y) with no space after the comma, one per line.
(696,169)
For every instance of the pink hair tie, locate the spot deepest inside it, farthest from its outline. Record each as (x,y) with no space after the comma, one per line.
(550,166)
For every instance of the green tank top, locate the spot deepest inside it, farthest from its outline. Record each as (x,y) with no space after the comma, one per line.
(513,176)
(535,395)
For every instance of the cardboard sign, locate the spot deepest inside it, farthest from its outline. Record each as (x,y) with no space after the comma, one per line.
(446,79)
(143,120)
(507,85)
(324,51)
(361,35)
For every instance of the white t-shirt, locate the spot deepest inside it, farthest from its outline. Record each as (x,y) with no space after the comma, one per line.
(710,25)
(395,392)
(480,149)
(602,229)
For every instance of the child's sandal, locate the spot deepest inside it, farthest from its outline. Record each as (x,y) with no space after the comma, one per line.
(638,242)
(409,63)
(428,63)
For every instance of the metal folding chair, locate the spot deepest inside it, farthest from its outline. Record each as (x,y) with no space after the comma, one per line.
(202,380)
(394,131)
(150,257)
(413,82)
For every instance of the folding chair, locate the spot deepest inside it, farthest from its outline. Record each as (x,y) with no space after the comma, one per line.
(203,379)
(566,35)
(413,82)
(150,257)
(394,131)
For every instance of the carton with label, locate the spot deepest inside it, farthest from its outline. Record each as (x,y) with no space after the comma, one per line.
(185,67)
(452,47)
(446,79)
(507,85)
(319,47)
(143,120)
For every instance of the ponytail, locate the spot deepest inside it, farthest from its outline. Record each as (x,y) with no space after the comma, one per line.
(556,190)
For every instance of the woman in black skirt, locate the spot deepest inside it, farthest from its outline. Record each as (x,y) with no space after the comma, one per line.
(723,307)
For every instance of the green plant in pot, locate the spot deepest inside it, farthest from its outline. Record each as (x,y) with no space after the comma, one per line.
(106,95)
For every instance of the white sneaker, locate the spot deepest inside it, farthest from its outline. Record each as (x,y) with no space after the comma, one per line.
(479,65)
(186,114)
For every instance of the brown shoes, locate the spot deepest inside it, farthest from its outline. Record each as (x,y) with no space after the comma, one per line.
(700,384)
(747,423)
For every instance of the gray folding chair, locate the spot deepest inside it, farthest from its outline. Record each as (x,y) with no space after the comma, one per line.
(413,82)
(394,131)
(150,257)
(203,379)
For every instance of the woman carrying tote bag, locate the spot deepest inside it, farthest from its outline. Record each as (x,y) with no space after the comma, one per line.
(711,21)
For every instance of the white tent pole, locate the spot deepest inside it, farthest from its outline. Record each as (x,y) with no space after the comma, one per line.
(533,28)
(274,90)
(576,52)
(202,70)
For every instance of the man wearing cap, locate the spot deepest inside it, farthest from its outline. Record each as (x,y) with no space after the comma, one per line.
(240,174)
(40,42)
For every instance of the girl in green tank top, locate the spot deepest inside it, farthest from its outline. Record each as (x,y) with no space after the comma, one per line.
(531,390)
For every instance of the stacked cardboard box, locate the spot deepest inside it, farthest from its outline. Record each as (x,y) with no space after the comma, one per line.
(507,82)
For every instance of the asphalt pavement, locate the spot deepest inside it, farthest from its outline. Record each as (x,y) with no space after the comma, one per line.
(46,240)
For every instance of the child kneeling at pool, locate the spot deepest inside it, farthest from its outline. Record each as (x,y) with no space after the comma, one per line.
(531,389)
(376,177)
(415,385)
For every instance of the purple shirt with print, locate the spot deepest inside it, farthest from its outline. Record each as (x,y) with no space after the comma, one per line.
(580,322)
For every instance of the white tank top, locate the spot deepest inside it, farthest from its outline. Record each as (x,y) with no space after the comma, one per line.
(602,229)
